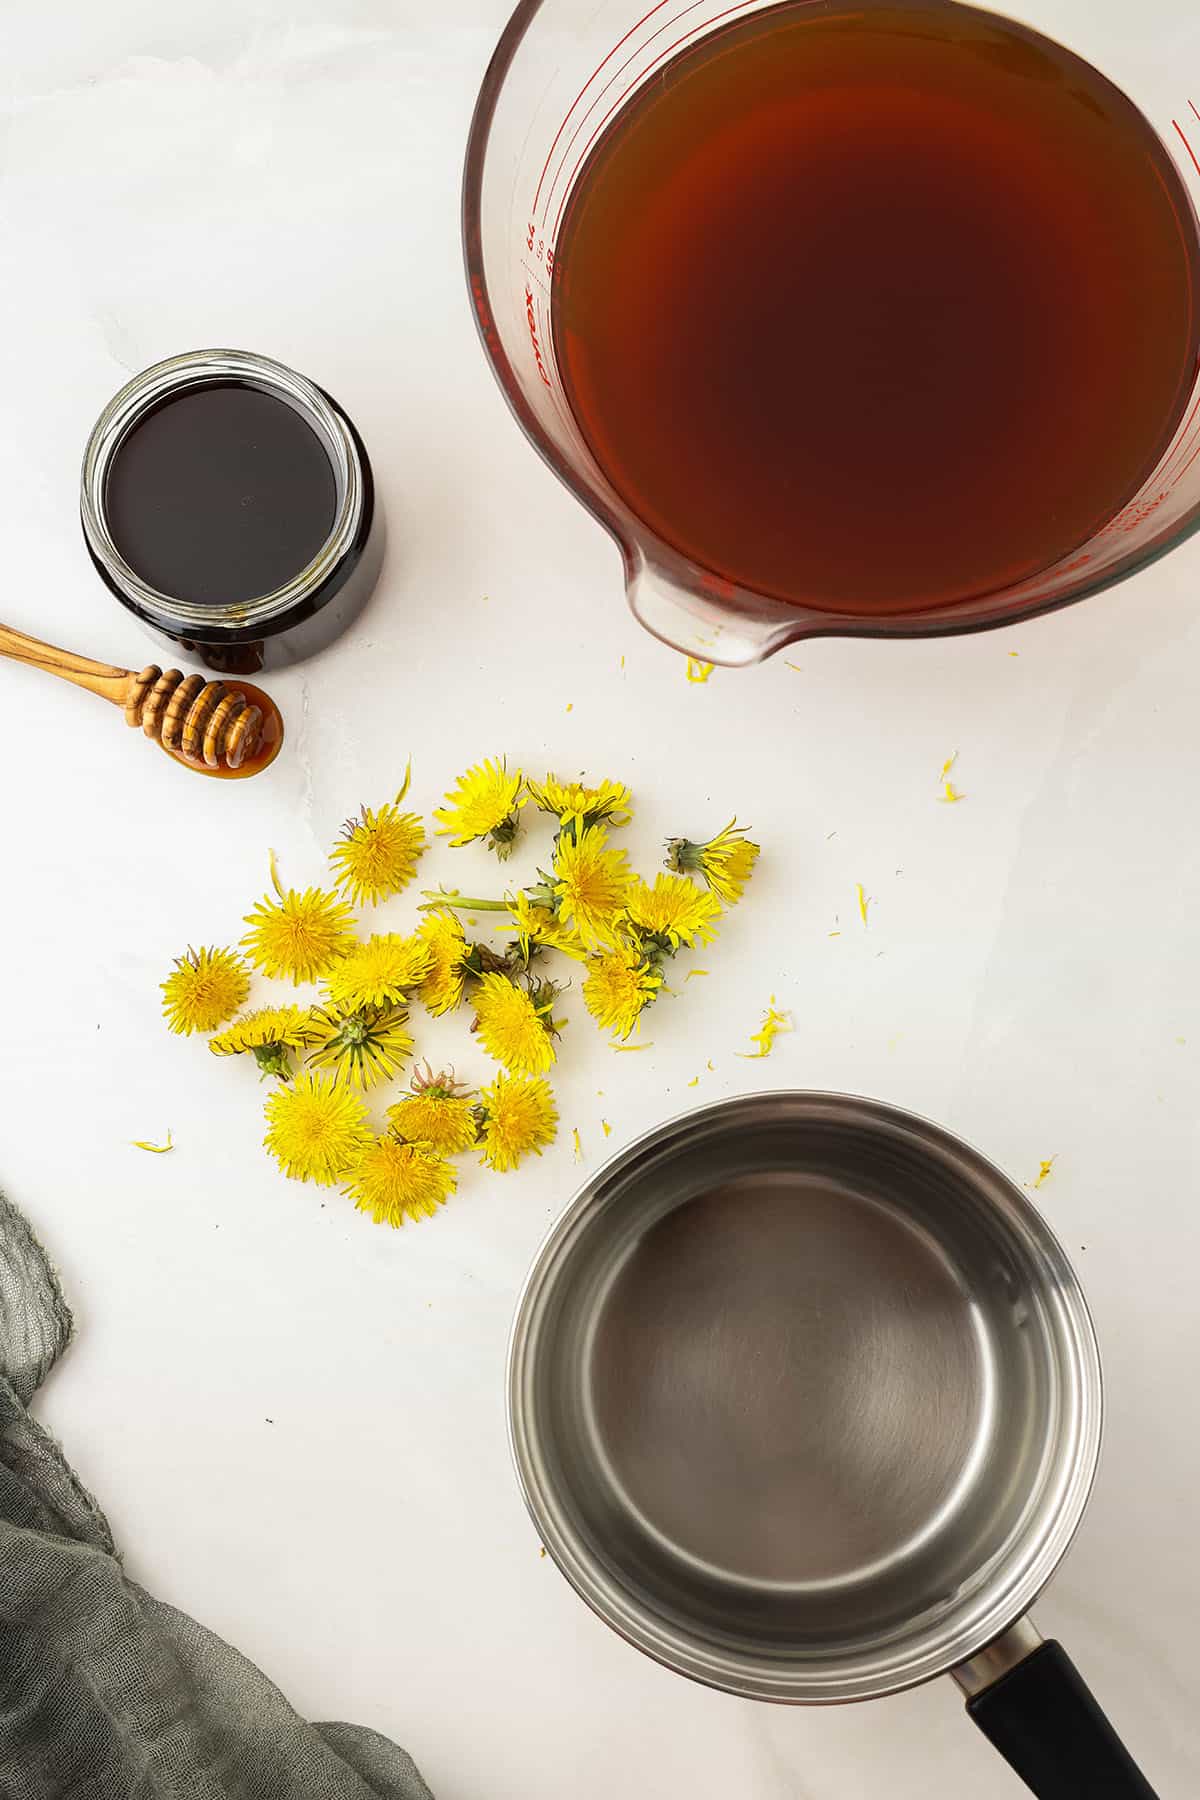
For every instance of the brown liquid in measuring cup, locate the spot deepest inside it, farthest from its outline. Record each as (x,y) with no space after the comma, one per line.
(875,310)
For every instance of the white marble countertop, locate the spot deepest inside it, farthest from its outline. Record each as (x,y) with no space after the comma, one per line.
(285,1409)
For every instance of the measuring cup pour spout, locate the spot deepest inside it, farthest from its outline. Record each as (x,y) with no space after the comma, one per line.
(704,617)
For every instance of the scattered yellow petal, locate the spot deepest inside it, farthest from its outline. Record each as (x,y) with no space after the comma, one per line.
(710,1065)
(627,1049)
(797,666)
(154,1149)
(950,795)
(835,934)
(1014,653)
(948,765)
(570,706)
(695,1081)
(577,1143)
(863,902)
(698,671)
(1044,1172)
(622,662)
(606,1127)
(693,972)
(773,1023)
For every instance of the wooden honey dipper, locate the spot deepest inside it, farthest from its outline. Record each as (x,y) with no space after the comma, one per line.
(214,727)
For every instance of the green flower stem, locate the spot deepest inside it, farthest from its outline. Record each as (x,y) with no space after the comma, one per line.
(459,903)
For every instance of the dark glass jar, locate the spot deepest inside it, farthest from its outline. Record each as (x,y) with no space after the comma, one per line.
(181,484)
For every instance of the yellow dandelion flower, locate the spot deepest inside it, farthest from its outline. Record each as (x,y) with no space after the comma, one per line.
(394,1181)
(578,807)
(773,1023)
(539,929)
(512,1026)
(517,1115)
(442,989)
(436,1116)
(674,910)
(269,1034)
(298,936)
(360,1045)
(205,988)
(591,883)
(315,1129)
(486,803)
(380,971)
(620,985)
(725,862)
(378,851)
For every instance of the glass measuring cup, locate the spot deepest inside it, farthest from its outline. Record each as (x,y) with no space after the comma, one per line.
(560,72)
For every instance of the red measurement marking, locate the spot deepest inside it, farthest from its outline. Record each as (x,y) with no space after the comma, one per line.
(531,319)
(1194,108)
(597,98)
(661,57)
(1181,445)
(583,90)
(1186,145)
(1187,465)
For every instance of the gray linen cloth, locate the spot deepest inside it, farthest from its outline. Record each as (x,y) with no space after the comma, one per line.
(105,1693)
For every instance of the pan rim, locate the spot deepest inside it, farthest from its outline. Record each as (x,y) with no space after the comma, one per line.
(813,1682)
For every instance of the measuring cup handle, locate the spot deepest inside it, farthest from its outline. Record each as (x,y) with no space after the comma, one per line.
(1042,1718)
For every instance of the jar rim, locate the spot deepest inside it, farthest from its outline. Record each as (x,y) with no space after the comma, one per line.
(167,380)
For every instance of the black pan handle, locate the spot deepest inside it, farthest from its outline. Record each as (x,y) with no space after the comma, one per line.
(1043,1720)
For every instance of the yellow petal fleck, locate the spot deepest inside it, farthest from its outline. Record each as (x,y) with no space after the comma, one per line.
(628,1049)
(950,795)
(710,1065)
(570,706)
(773,1023)
(154,1149)
(695,1081)
(577,1144)
(606,1128)
(863,902)
(948,765)
(692,973)
(797,666)
(1045,1170)
(698,671)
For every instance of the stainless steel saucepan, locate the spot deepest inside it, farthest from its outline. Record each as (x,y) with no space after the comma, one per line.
(805,1401)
